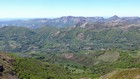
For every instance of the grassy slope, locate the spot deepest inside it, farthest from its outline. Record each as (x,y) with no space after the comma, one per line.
(39,69)
(133,73)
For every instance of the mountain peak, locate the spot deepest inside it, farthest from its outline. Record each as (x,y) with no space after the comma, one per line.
(115,17)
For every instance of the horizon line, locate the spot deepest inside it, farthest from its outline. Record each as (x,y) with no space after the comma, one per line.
(61,17)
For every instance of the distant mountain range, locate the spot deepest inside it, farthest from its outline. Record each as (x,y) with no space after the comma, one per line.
(71,21)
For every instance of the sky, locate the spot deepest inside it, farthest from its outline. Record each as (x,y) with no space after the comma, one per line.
(58,8)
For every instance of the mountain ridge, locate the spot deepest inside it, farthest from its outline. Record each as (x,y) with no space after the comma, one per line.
(71,21)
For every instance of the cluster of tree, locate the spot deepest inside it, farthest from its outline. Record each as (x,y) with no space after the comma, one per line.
(34,69)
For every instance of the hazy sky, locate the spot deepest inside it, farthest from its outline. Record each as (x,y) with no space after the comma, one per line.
(58,8)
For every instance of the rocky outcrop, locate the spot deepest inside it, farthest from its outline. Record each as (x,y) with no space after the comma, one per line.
(6,66)
(1,68)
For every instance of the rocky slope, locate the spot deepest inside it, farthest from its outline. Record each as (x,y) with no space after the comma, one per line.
(6,67)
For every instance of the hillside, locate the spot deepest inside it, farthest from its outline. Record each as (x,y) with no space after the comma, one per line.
(84,64)
(123,74)
(6,67)
(50,39)
(14,67)
(84,48)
